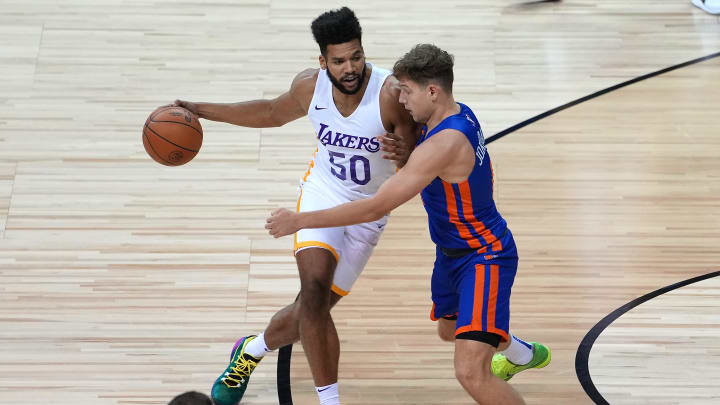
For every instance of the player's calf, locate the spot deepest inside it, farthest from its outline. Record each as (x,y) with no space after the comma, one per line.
(473,354)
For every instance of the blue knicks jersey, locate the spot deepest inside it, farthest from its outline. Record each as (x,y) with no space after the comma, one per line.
(463,215)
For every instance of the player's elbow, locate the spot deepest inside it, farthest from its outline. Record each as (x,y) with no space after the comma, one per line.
(275,116)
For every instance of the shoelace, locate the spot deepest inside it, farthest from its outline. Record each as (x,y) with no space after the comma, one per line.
(243,368)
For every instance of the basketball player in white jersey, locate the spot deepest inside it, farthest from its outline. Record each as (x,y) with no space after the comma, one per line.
(352,105)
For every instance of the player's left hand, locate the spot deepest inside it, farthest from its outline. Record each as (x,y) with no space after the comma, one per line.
(395,148)
(282,222)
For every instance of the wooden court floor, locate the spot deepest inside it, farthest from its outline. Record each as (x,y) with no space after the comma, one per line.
(124,282)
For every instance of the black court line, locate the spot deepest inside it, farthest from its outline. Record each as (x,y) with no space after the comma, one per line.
(283,375)
(594,95)
(283,366)
(583,353)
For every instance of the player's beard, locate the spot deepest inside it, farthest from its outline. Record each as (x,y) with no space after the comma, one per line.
(338,84)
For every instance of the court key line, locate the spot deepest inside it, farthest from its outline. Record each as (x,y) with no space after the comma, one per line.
(582,356)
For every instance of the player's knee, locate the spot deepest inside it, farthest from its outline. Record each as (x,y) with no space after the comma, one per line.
(315,297)
(468,374)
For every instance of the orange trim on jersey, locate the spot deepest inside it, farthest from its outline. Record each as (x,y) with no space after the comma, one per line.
(311,165)
(339,291)
(313,243)
(297,209)
(318,244)
(432,313)
(476,324)
(504,337)
(462,228)
(492,302)
(479,295)
(479,226)
(492,297)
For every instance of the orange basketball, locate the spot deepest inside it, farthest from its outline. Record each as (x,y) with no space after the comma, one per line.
(172,136)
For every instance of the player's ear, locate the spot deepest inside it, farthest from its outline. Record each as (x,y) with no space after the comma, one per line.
(432,91)
(323,62)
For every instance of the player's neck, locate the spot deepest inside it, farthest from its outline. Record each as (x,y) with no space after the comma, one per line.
(347,103)
(445,108)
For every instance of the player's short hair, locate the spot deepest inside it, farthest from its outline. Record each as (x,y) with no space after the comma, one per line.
(336,27)
(191,398)
(426,63)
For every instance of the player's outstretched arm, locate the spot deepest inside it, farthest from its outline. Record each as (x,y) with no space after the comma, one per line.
(279,111)
(426,163)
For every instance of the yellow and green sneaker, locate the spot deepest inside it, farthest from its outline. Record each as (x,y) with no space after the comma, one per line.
(505,369)
(229,388)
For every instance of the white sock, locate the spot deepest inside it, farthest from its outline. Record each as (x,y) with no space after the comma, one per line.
(328,394)
(519,352)
(257,347)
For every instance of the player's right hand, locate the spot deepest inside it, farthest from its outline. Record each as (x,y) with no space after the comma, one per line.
(282,222)
(395,148)
(192,107)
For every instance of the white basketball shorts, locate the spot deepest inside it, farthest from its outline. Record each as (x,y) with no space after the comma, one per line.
(351,245)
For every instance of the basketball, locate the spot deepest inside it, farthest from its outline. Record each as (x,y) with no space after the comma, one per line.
(172,136)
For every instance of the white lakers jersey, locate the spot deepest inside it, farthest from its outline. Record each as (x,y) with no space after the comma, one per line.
(348,160)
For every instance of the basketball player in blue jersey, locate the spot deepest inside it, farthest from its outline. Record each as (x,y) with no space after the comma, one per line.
(476,258)
(351,105)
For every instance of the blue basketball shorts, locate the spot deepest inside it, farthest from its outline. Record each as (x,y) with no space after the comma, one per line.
(475,288)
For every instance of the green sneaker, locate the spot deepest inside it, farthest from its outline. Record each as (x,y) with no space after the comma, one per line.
(229,388)
(505,369)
